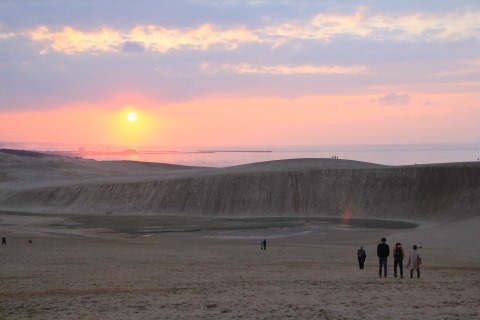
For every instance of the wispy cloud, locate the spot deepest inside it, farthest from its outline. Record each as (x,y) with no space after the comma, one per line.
(70,41)
(422,26)
(322,27)
(6,35)
(393,98)
(283,69)
(463,68)
(154,38)
(162,39)
(325,27)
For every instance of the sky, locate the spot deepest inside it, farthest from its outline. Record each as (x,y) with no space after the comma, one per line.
(223,73)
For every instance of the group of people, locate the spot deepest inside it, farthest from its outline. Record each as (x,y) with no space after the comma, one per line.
(383,252)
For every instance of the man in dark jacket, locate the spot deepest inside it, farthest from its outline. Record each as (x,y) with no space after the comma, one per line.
(383,251)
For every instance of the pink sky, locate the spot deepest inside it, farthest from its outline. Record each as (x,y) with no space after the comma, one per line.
(253,121)
(240,73)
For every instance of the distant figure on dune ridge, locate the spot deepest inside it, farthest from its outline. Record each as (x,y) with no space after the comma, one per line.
(361,255)
(383,251)
(414,262)
(4,241)
(398,259)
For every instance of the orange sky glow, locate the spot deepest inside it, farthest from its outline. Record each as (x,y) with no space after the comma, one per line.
(226,121)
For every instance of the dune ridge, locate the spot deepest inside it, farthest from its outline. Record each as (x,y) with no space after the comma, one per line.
(284,187)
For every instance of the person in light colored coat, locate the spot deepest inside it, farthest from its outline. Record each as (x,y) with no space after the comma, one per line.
(414,262)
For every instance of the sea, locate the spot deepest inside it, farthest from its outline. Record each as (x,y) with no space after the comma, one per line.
(392,154)
(227,156)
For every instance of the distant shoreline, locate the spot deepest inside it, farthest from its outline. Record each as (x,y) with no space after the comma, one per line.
(135,152)
(225,156)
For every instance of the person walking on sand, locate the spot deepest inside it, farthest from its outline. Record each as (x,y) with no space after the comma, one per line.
(398,259)
(361,255)
(383,251)
(414,262)
(264,244)
(4,241)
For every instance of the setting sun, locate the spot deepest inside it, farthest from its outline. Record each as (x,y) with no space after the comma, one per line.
(131,126)
(132,116)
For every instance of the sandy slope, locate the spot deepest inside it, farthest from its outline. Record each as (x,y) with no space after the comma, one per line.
(288,187)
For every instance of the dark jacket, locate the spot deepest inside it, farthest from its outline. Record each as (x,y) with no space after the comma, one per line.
(398,253)
(383,250)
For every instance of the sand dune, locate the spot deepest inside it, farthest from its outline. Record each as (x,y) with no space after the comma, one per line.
(85,266)
(287,187)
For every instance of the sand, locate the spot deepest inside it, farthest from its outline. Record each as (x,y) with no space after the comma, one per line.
(79,270)
(78,273)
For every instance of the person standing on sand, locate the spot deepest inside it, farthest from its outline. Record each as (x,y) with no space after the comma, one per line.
(398,259)
(261,244)
(383,251)
(361,255)
(414,262)
(264,244)
(4,241)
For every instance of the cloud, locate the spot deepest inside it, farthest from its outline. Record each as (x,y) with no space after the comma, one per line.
(130,46)
(282,69)
(154,38)
(6,35)
(421,26)
(322,27)
(393,98)
(470,66)
(71,41)
(161,39)
(413,27)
